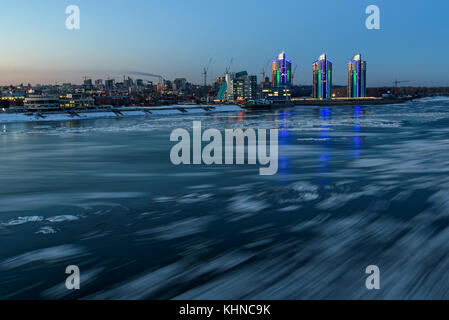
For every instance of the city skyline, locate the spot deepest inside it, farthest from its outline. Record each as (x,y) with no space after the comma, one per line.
(155,37)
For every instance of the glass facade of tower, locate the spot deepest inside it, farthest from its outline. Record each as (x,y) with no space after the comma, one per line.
(281,70)
(322,78)
(252,88)
(357,77)
(276,95)
(241,87)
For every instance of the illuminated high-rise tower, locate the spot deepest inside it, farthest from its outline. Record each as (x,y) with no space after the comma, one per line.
(322,78)
(357,77)
(281,70)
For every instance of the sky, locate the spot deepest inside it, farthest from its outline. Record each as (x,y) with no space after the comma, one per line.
(176,38)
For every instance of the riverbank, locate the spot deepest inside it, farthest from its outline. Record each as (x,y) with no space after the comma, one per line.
(11,117)
(348,101)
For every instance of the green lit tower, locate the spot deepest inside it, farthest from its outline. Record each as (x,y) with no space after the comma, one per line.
(357,77)
(281,69)
(322,78)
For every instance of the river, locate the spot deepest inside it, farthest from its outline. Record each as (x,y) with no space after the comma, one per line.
(356,186)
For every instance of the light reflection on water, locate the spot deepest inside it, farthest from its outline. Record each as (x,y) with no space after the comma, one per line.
(325,115)
(357,129)
(356,186)
(284,139)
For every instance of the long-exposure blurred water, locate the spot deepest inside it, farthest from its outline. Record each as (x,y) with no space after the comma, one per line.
(356,186)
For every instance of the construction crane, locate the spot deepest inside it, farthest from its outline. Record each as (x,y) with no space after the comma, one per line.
(264,71)
(396,82)
(206,69)
(293,74)
(229,66)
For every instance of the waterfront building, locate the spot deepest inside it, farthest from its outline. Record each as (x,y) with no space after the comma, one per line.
(357,77)
(109,84)
(69,101)
(222,92)
(265,83)
(239,87)
(228,87)
(216,86)
(220,80)
(281,70)
(88,82)
(42,102)
(253,91)
(276,95)
(127,82)
(322,78)
(180,84)
(12,98)
(166,86)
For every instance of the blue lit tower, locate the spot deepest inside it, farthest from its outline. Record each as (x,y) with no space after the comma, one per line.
(281,69)
(357,77)
(322,78)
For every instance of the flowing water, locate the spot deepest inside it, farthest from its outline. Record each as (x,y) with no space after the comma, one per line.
(356,186)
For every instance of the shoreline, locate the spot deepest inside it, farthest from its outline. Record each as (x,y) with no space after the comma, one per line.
(349,101)
(114,112)
(117,112)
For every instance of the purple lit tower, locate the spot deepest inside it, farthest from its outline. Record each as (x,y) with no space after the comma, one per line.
(281,69)
(322,78)
(357,77)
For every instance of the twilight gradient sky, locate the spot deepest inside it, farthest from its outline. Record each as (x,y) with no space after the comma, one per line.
(176,38)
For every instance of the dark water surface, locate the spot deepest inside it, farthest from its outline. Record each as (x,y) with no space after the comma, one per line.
(356,186)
